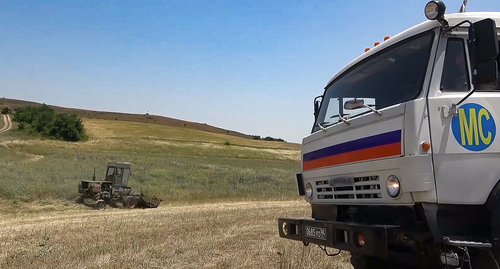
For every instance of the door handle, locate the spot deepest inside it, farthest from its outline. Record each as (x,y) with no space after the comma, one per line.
(447,111)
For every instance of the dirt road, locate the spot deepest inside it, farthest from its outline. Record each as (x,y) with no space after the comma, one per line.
(7,124)
(218,235)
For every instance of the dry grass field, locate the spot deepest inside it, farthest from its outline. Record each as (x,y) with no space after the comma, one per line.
(222,197)
(216,235)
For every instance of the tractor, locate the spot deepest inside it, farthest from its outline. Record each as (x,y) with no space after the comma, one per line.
(113,190)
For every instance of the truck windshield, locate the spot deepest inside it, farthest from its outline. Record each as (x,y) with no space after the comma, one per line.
(390,77)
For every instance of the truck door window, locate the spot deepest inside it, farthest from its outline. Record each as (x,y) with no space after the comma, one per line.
(455,72)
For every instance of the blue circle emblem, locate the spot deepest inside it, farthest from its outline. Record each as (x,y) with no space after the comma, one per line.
(474,127)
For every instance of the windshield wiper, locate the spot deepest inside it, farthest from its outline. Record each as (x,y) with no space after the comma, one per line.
(373,109)
(321,126)
(342,118)
(346,120)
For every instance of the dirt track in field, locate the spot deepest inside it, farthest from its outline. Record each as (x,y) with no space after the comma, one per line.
(7,124)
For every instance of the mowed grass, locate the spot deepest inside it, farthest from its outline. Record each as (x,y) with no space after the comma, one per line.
(222,196)
(113,129)
(176,164)
(219,235)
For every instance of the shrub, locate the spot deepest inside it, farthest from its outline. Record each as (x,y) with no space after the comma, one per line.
(67,127)
(44,121)
(5,110)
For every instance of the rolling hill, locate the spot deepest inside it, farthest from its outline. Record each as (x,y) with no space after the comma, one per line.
(144,118)
(177,163)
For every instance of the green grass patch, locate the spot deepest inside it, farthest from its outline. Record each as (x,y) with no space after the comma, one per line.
(170,177)
(178,167)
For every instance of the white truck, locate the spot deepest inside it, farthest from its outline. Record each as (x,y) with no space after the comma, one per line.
(402,166)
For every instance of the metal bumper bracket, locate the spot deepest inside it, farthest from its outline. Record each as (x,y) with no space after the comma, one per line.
(339,235)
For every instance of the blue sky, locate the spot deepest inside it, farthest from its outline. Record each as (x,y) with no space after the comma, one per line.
(249,66)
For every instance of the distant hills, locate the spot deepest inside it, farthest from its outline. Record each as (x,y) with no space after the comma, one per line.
(155,119)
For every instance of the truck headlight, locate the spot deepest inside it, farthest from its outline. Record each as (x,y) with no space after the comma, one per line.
(393,186)
(309,190)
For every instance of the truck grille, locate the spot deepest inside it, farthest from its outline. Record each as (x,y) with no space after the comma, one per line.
(367,187)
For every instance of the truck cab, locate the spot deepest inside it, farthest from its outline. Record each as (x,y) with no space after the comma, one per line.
(401,166)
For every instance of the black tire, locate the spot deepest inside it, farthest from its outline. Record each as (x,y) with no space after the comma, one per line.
(130,202)
(112,202)
(101,205)
(79,200)
(483,258)
(359,261)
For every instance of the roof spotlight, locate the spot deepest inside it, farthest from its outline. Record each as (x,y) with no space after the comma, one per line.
(434,10)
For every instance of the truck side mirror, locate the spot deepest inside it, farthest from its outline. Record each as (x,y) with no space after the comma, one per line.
(485,40)
(316,109)
(317,104)
(483,51)
(487,72)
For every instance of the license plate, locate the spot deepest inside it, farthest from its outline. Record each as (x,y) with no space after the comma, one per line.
(342,181)
(316,233)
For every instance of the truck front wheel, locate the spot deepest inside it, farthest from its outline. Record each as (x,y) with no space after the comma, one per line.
(484,258)
(359,261)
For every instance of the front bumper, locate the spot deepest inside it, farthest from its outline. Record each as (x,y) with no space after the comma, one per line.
(341,235)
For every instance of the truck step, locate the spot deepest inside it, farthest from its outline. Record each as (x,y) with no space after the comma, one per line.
(465,243)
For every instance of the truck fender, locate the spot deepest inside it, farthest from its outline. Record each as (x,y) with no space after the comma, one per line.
(447,220)
(493,206)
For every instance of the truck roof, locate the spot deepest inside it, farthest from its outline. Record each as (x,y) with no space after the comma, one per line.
(452,18)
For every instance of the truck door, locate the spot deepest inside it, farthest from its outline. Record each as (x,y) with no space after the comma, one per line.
(465,146)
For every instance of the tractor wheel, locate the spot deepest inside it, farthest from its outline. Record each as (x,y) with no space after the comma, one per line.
(130,202)
(112,202)
(79,200)
(100,205)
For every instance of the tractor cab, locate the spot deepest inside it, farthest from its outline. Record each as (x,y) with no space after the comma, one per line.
(113,190)
(118,173)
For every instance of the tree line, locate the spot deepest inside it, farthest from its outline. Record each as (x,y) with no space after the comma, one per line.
(267,138)
(43,120)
